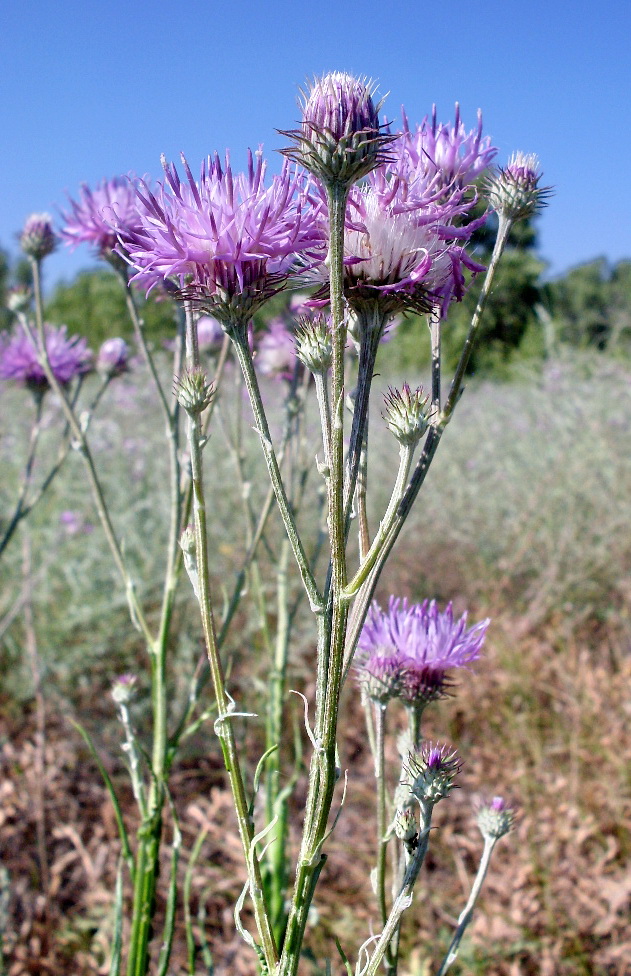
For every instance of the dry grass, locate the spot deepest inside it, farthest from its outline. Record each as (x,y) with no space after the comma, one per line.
(544,718)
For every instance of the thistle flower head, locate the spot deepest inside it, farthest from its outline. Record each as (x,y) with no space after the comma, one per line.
(228,241)
(103,217)
(495,818)
(432,771)
(402,247)
(19,359)
(340,138)
(514,191)
(445,155)
(112,357)
(405,824)
(193,390)
(422,645)
(314,346)
(276,352)
(406,414)
(38,238)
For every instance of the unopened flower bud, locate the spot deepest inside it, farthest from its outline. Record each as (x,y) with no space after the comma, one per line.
(495,818)
(124,688)
(340,139)
(432,769)
(405,824)
(112,357)
(193,390)
(406,414)
(38,239)
(515,192)
(313,343)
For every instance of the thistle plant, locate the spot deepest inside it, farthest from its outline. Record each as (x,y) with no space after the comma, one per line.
(376,223)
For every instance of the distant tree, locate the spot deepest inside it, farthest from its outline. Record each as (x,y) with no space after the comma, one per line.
(93,304)
(591,305)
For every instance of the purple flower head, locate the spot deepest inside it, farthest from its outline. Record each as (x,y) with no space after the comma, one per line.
(432,770)
(423,642)
(74,523)
(210,335)
(19,360)
(402,243)
(495,818)
(340,138)
(229,241)
(113,357)
(103,217)
(515,192)
(38,238)
(450,153)
(276,355)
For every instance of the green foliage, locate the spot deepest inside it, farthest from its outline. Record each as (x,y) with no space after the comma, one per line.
(94,306)
(591,305)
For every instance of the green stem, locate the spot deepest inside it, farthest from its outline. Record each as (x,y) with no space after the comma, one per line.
(332,625)
(252,385)
(223,724)
(20,507)
(404,898)
(467,912)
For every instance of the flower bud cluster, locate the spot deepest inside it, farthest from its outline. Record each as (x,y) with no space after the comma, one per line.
(432,770)
(38,238)
(515,192)
(495,818)
(193,390)
(313,343)
(406,414)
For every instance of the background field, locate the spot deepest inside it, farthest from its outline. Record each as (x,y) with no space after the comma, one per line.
(524,518)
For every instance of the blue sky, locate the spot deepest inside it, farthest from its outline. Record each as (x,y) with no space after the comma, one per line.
(94,89)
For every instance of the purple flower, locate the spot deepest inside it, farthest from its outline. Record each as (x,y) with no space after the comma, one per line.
(450,153)
(418,643)
(495,818)
(113,357)
(19,360)
(432,770)
(103,217)
(38,238)
(229,241)
(74,523)
(210,334)
(403,247)
(276,354)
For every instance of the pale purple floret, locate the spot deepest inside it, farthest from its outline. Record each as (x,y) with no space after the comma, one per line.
(103,216)
(38,239)
(228,240)
(276,351)
(406,226)
(456,156)
(113,356)
(69,357)
(419,641)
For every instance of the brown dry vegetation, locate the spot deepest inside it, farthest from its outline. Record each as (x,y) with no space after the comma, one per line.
(543,719)
(550,729)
